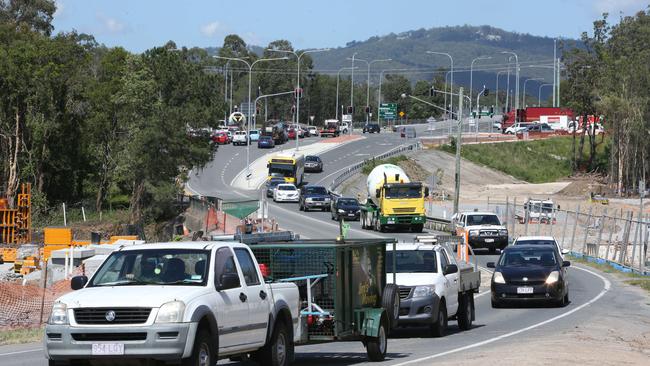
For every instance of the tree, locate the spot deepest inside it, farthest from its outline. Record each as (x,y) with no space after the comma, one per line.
(35,15)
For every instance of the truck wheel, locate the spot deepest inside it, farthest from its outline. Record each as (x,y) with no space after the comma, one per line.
(203,351)
(417,228)
(465,309)
(279,350)
(376,346)
(390,302)
(439,328)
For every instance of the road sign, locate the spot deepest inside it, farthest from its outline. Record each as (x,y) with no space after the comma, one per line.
(431,120)
(311,118)
(347,118)
(401,113)
(237,118)
(388,110)
(248,109)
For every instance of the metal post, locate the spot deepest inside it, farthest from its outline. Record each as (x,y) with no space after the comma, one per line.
(636,240)
(554,78)
(558,101)
(507,108)
(644,249)
(611,235)
(507,217)
(566,221)
(527,209)
(65,221)
(539,221)
(626,237)
(600,232)
(352,93)
(514,212)
(459,140)
(575,227)
(584,241)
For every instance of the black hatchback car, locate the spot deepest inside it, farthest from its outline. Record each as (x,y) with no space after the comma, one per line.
(345,207)
(530,273)
(371,128)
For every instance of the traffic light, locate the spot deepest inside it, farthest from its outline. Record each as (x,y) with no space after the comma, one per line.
(350,110)
(432,92)
(486,92)
(492,110)
(298,93)
(368,109)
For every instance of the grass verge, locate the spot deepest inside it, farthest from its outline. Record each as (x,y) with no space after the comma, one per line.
(538,161)
(371,164)
(633,279)
(17,336)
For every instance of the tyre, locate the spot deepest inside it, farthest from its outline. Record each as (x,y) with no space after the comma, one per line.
(465,310)
(376,346)
(279,350)
(390,302)
(203,351)
(300,207)
(417,228)
(439,328)
(564,301)
(496,304)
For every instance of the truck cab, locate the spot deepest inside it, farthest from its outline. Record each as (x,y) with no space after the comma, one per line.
(191,303)
(433,286)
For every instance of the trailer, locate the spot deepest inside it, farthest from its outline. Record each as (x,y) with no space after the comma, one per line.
(343,291)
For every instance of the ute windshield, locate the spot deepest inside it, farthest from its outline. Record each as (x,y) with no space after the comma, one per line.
(482,220)
(187,267)
(411,261)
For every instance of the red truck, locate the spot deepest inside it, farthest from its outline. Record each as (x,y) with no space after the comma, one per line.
(330,128)
(531,114)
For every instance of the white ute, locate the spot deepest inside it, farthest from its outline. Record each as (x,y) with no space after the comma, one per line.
(186,303)
(433,286)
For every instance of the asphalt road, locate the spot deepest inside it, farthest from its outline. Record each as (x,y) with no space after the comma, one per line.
(590,293)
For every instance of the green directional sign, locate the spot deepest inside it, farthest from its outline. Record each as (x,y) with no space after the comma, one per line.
(388,111)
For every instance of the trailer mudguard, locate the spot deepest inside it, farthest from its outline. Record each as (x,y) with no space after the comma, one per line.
(369,320)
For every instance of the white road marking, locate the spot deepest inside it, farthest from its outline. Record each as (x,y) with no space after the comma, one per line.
(19,352)
(606,288)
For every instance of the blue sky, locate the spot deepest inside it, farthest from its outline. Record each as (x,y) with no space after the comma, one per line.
(141,24)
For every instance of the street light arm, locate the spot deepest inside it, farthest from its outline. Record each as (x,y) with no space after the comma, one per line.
(425,102)
(272,95)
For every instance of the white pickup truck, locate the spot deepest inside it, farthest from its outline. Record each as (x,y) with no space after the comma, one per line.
(240,138)
(182,303)
(433,286)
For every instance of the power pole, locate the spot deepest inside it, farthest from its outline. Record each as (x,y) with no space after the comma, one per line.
(459,137)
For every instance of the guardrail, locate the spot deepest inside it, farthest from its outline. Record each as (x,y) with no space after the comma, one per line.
(349,171)
(436,223)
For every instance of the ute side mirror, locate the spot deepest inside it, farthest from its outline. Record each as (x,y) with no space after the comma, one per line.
(566,264)
(451,268)
(565,251)
(268,165)
(377,193)
(78,282)
(490,265)
(426,192)
(228,281)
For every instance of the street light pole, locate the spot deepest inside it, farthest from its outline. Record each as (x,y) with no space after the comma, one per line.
(381,77)
(451,60)
(368,63)
(248,116)
(351,95)
(338,76)
(516,83)
(526,82)
(496,92)
(539,94)
(471,79)
(459,141)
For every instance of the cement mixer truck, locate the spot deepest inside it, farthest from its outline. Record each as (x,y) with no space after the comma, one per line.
(394,202)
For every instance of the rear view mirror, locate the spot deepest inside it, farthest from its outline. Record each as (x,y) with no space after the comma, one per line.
(490,265)
(426,191)
(566,264)
(566,251)
(451,268)
(377,193)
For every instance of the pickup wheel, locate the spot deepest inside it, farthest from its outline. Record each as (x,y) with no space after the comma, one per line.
(376,346)
(279,350)
(390,302)
(203,351)
(439,328)
(465,310)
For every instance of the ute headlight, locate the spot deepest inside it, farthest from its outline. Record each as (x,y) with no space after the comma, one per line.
(424,291)
(553,277)
(59,314)
(503,232)
(473,233)
(171,312)
(498,278)
(341,211)
(308,199)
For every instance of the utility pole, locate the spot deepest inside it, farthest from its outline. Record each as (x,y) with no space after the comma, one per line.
(554,71)
(459,138)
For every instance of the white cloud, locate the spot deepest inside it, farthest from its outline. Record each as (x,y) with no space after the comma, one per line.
(60,7)
(627,7)
(112,25)
(210,29)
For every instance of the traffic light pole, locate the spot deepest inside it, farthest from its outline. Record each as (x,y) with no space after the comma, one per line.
(459,140)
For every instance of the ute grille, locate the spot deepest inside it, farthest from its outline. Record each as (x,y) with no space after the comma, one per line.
(404,292)
(122,315)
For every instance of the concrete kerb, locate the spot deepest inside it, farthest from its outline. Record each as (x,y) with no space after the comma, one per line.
(258,167)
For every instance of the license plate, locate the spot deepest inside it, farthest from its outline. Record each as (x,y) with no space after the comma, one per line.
(104,349)
(524,290)
(351,215)
(489,240)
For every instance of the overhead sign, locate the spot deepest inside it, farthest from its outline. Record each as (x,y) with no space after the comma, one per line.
(236,118)
(388,110)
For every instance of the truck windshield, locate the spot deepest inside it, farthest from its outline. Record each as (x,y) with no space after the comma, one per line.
(281,170)
(404,192)
(482,220)
(185,267)
(411,261)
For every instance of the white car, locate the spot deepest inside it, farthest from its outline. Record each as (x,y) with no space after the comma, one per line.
(286,193)
(313,131)
(240,138)
(517,128)
(190,303)
(541,240)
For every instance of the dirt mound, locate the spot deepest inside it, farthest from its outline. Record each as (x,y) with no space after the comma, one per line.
(582,185)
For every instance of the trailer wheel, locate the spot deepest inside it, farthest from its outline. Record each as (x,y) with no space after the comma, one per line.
(391,302)
(465,310)
(376,346)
